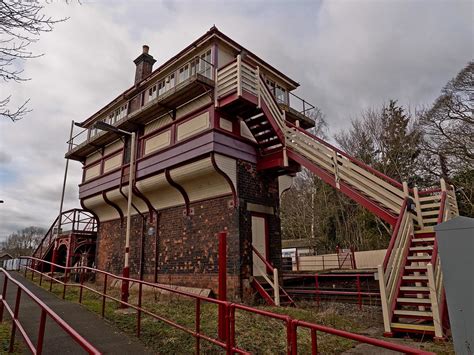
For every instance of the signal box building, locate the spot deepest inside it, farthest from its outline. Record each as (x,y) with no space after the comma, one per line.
(208,159)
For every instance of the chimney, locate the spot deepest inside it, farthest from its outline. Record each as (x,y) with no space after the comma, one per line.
(144,64)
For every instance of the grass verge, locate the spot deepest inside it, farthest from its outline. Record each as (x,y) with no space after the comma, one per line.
(254,333)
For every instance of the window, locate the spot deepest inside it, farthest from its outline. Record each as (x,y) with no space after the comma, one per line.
(183,73)
(205,67)
(161,87)
(152,93)
(280,94)
(169,82)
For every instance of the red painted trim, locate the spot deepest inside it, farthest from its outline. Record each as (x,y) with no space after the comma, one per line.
(270,161)
(180,120)
(346,189)
(395,233)
(400,278)
(272,121)
(352,159)
(262,292)
(179,188)
(113,205)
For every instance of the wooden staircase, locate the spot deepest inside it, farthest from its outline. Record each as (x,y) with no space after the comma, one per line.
(74,227)
(267,292)
(410,279)
(412,308)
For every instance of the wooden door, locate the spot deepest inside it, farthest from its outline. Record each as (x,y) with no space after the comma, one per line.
(259,241)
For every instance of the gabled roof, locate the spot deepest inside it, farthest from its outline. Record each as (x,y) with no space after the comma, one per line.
(212,33)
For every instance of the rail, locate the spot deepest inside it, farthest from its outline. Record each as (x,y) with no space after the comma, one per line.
(447,209)
(317,291)
(274,283)
(46,313)
(391,271)
(386,191)
(230,342)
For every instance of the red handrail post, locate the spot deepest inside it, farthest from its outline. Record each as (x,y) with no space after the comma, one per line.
(82,285)
(139,309)
(317,288)
(39,344)
(4,293)
(41,273)
(197,325)
(359,296)
(104,295)
(14,318)
(222,284)
(314,342)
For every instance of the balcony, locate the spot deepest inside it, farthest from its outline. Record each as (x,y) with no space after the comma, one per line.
(161,97)
(242,78)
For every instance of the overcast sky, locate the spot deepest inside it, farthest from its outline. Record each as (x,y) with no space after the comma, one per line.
(347,55)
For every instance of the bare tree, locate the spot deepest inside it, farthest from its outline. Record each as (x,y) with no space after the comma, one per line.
(21,24)
(23,242)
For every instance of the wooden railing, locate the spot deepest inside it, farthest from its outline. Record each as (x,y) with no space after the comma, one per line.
(390,272)
(377,186)
(268,273)
(448,209)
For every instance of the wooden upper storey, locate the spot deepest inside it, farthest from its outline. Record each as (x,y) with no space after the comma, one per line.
(186,77)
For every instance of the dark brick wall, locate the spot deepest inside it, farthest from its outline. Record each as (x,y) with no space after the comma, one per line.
(187,246)
(258,188)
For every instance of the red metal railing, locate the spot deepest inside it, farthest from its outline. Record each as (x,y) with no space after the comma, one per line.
(268,266)
(45,312)
(317,290)
(230,341)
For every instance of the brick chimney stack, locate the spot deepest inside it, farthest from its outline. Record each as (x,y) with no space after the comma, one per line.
(144,64)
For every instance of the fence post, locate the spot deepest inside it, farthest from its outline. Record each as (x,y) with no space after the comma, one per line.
(359,296)
(317,288)
(277,286)
(4,293)
(383,301)
(197,324)
(434,301)
(14,318)
(139,309)
(39,344)
(222,283)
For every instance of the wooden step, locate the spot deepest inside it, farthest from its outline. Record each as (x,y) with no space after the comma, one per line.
(422,248)
(414,300)
(415,289)
(415,278)
(413,327)
(423,240)
(412,314)
(425,230)
(415,267)
(419,257)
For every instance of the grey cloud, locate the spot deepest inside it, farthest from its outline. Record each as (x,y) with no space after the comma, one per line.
(347,55)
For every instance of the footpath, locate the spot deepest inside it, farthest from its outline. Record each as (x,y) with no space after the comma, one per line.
(89,325)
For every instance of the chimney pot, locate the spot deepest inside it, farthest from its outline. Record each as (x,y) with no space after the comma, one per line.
(144,64)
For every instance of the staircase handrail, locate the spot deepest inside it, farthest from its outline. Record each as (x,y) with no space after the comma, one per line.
(395,234)
(271,270)
(379,174)
(268,265)
(441,219)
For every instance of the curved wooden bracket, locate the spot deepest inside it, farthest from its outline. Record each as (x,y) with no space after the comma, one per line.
(226,177)
(139,194)
(179,188)
(91,212)
(113,205)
